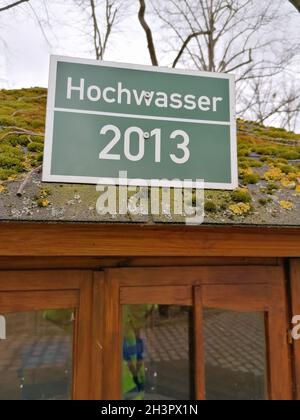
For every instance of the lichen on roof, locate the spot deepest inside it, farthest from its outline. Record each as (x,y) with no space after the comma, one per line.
(269,174)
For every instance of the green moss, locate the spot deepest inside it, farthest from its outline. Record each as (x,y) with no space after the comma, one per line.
(210,206)
(275,133)
(289,154)
(6,121)
(35,147)
(251,178)
(6,173)
(263,201)
(16,140)
(273,186)
(12,140)
(254,163)
(282,161)
(10,157)
(39,157)
(8,161)
(267,150)
(244,152)
(274,161)
(37,124)
(224,206)
(270,188)
(245,163)
(287,169)
(38,139)
(241,196)
(23,140)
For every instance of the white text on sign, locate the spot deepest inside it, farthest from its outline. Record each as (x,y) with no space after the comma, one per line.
(120,95)
(106,154)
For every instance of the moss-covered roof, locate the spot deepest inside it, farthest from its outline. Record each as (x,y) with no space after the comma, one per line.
(269,171)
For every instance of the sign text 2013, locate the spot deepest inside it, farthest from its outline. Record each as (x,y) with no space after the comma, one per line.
(156,134)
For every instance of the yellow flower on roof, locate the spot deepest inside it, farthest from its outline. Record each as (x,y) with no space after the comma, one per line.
(247,171)
(298,189)
(2,189)
(240,208)
(43,202)
(294,176)
(287,205)
(273,174)
(287,183)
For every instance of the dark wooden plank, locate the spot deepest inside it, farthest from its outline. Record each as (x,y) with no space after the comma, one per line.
(194,261)
(96,263)
(98,336)
(83,340)
(11,302)
(157,295)
(165,276)
(38,239)
(199,356)
(40,280)
(278,349)
(295,294)
(242,298)
(112,344)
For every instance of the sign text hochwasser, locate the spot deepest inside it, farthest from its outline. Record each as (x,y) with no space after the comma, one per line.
(120,94)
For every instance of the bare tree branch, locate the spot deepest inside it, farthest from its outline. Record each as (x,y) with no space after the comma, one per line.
(10,6)
(41,25)
(256,43)
(185,44)
(146,27)
(110,20)
(97,33)
(244,63)
(103,22)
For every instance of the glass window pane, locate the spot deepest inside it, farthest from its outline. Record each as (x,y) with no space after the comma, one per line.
(235,355)
(36,356)
(156,352)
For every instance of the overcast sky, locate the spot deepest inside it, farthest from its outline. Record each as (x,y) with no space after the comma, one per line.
(24,52)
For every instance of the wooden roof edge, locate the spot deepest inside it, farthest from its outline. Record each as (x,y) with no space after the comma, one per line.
(115,240)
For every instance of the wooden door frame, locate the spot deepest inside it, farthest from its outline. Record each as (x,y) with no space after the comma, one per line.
(194,286)
(59,288)
(295,310)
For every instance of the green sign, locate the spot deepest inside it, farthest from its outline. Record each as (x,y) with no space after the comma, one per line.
(153,124)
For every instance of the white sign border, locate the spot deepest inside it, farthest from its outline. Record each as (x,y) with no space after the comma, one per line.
(48,177)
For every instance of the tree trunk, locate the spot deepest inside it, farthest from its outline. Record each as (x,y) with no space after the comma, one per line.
(296,3)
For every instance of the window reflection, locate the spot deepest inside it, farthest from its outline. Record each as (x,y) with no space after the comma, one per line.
(235,355)
(156,352)
(36,356)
